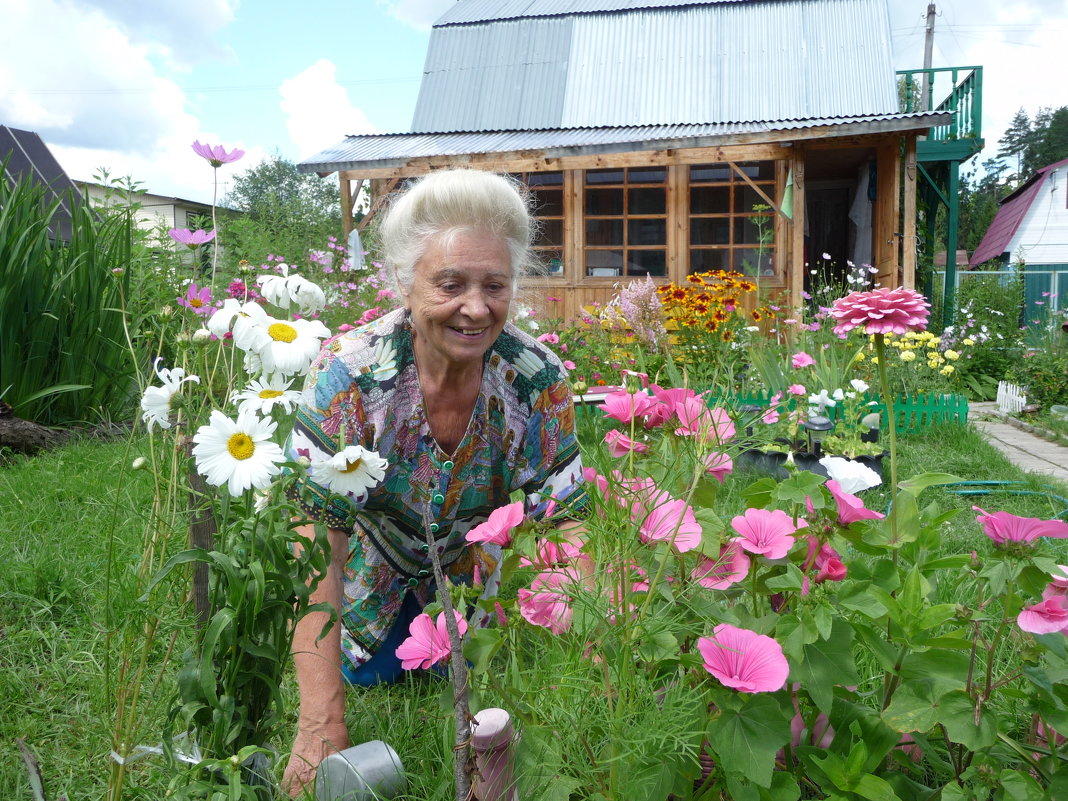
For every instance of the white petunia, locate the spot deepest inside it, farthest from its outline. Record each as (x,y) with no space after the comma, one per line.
(853,476)
(238,454)
(859,384)
(156,402)
(352,471)
(290,347)
(266,392)
(822,400)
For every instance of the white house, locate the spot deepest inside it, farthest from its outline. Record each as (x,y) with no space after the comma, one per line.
(154,212)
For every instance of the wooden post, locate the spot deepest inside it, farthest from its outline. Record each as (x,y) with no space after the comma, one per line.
(346,206)
(797,240)
(574,236)
(909,240)
(678,221)
(885,218)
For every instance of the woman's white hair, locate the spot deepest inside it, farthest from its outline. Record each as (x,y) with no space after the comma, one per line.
(444,203)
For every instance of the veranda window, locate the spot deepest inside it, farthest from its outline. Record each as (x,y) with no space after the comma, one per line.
(731,225)
(547,189)
(625,222)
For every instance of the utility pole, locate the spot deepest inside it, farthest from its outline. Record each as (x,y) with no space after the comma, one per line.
(928,47)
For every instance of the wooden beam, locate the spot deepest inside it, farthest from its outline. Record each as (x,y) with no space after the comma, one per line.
(757,189)
(909,240)
(377,203)
(574,235)
(346,206)
(796,274)
(678,223)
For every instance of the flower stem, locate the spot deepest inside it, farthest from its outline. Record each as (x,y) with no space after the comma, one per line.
(888,399)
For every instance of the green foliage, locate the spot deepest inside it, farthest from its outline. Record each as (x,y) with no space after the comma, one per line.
(63,351)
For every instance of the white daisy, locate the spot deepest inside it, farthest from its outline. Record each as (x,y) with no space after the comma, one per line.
(156,402)
(266,392)
(244,319)
(353,471)
(273,287)
(238,454)
(306,294)
(290,347)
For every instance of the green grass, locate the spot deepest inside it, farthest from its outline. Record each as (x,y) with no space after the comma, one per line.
(60,510)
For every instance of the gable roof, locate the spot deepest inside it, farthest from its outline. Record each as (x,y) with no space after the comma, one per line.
(1012,213)
(557,64)
(27,154)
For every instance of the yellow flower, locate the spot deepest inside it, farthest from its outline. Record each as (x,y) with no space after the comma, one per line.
(947,370)
(952,355)
(861,357)
(969,341)
(932,365)
(908,356)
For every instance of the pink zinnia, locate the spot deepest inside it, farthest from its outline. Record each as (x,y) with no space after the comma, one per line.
(429,642)
(498,528)
(547,603)
(198,299)
(1003,527)
(802,359)
(1046,617)
(619,444)
(624,407)
(881,311)
(718,574)
(765,531)
(744,660)
(217,155)
(661,522)
(796,389)
(191,239)
(850,507)
(718,465)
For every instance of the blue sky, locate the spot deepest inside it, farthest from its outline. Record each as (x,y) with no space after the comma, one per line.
(128,84)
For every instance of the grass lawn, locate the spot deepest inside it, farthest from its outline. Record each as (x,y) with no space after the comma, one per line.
(64,512)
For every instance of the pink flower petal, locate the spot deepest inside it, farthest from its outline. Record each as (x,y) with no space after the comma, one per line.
(744,660)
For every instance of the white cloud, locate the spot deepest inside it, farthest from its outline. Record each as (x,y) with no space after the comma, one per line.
(318,110)
(181,29)
(420,14)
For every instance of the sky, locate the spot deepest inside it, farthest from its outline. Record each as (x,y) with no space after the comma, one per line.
(127,85)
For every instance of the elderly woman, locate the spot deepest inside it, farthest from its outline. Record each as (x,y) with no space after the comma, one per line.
(465,408)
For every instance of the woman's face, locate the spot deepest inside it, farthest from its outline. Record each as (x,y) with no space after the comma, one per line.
(459,297)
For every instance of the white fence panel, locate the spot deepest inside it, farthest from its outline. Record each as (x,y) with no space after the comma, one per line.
(1011,397)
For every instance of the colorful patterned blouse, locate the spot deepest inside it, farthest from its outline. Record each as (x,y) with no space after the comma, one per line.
(364,389)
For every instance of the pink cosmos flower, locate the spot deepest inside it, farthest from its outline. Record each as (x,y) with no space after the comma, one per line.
(619,444)
(718,465)
(850,507)
(765,531)
(881,311)
(556,554)
(718,574)
(198,299)
(796,389)
(217,155)
(1045,617)
(744,660)
(191,239)
(1003,527)
(660,524)
(568,364)
(429,642)
(547,603)
(624,407)
(498,528)
(802,359)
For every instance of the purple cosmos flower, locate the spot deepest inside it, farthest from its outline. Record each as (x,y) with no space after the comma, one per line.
(191,239)
(217,155)
(198,299)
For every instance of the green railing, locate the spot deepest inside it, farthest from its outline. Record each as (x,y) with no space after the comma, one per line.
(965,99)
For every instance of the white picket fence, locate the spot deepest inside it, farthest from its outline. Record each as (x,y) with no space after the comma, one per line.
(1011,398)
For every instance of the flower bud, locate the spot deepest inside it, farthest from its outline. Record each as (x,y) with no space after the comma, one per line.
(579,387)
(304,462)
(166,312)
(201,336)
(140,463)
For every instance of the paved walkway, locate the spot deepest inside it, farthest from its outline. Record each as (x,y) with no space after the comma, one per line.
(1024,449)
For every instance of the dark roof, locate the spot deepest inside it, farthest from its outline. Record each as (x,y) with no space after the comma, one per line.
(1007,221)
(26,154)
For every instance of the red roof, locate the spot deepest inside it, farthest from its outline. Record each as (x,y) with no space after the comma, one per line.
(1012,212)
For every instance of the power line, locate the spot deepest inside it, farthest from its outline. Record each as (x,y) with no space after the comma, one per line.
(198,90)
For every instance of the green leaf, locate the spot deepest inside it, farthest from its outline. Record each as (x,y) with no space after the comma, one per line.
(955,562)
(856,596)
(799,486)
(747,734)
(950,667)
(827,663)
(936,615)
(790,580)
(917,484)
(480,648)
(1018,786)
(759,493)
(958,716)
(916,706)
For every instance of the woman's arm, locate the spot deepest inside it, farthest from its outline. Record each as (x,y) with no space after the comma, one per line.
(321,724)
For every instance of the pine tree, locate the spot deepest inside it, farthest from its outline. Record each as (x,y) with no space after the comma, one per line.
(1013,143)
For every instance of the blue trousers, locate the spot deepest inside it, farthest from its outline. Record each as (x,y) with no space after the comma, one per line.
(384,666)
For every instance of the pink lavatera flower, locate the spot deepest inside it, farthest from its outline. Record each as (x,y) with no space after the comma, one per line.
(1046,617)
(881,311)
(744,660)
(428,642)
(191,239)
(216,155)
(1003,527)
(547,602)
(729,568)
(801,359)
(619,444)
(498,528)
(624,407)
(796,389)
(718,465)
(668,521)
(766,532)
(1058,584)
(850,507)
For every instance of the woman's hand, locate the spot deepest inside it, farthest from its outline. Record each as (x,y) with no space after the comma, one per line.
(310,747)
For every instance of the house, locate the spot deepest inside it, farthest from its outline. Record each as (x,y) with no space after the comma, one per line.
(154,213)
(23,154)
(667,137)
(1030,231)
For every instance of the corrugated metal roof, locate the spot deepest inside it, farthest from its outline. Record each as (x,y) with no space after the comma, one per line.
(468,11)
(720,62)
(374,151)
(1007,221)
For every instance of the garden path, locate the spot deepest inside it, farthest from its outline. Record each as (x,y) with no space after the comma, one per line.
(1024,449)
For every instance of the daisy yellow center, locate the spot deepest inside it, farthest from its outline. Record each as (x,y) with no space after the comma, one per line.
(350,466)
(196,303)
(282,332)
(267,394)
(241,446)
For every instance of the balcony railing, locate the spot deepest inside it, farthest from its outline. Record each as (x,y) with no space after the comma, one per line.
(964,99)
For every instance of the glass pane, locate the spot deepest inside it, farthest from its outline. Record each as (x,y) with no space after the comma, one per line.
(647,262)
(545,179)
(604,263)
(745,198)
(704,260)
(752,262)
(550,234)
(753,230)
(710,200)
(604,201)
(757,170)
(710,231)
(604,176)
(647,175)
(710,172)
(604,232)
(646,232)
(552,261)
(549,203)
(651,200)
